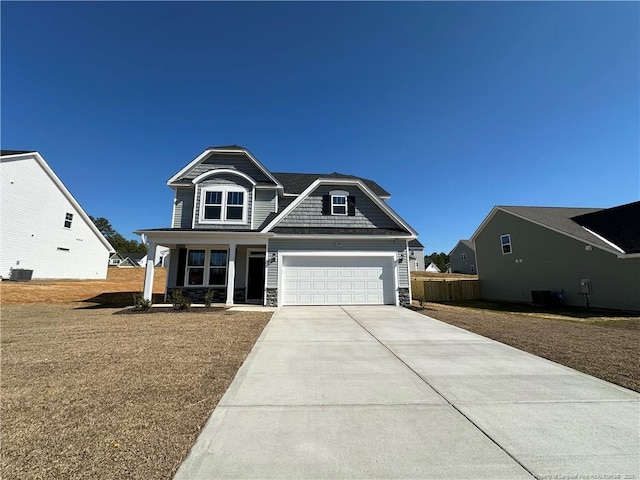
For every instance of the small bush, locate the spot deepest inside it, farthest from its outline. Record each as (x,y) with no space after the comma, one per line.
(141,303)
(179,301)
(208,298)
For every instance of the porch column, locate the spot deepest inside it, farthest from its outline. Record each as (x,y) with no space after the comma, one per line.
(147,293)
(231,274)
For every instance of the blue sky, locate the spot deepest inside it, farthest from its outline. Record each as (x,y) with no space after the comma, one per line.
(452,107)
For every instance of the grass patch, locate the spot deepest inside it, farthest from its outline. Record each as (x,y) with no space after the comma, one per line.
(600,343)
(89,394)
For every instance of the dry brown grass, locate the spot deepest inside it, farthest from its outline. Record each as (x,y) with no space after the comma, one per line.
(118,286)
(603,346)
(87,393)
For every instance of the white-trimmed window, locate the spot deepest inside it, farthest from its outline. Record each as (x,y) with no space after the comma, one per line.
(463,256)
(68,219)
(505,243)
(206,268)
(338,204)
(224,204)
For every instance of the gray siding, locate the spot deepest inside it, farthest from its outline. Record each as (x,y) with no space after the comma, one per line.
(463,266)
(224,180)
(239,162)
(547,260)
(265,203)
(416,259)
(183,211)
(329,245)
(172,272)
(241,266)
(309,212)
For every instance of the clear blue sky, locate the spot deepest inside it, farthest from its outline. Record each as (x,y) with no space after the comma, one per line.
(452,107)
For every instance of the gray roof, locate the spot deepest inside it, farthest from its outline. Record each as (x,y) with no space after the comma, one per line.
(298,182)
(559,219)
(415,243)
(14,152)
(620,225)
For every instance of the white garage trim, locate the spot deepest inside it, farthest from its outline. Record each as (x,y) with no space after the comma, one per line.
(392,256)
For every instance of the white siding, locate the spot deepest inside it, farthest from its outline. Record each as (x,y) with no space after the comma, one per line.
(33,236)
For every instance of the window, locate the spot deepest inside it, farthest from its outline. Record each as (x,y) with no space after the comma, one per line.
(463,256)
(212,205)
(505,243)
(338,205)
(473,268)
(223,204)
(216,273)
(68,218)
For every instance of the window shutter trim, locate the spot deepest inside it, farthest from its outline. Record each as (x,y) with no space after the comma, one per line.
(326,205)
(351,206)
(182,263)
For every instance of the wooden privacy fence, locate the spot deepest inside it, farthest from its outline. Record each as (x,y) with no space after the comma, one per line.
(445,290)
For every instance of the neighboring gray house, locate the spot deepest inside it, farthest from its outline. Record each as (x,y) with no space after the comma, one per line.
(462,259)
(581,254)
(416,256)
(251,235)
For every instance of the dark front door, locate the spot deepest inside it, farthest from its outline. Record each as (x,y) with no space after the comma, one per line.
(255,282)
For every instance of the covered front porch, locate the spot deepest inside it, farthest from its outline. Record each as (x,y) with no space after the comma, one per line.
(232,267)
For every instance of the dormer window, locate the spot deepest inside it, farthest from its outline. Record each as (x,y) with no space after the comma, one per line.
(224,204)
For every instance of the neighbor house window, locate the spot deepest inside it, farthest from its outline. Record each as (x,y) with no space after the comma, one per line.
(216,273)
(473,268)
(463,256)
(224,204)
(338,204)
(505,243)
(68,218)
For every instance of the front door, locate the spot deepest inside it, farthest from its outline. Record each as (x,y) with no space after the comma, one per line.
(255,274)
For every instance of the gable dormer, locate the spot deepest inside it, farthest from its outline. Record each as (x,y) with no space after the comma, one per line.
(223,188)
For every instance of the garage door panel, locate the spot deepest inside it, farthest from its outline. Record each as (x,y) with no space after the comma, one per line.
(349,280)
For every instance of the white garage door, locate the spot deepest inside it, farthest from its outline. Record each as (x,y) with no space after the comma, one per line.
(337,280)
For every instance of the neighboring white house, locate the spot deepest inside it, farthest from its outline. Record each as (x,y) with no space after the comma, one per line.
(44,229)
(430,266)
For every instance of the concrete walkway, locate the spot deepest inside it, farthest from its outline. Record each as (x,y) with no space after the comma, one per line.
(386,393)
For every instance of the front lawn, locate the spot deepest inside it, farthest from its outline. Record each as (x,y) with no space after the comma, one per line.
(87,393)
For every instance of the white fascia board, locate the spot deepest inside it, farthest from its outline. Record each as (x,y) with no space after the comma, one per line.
(581,240)
(608,242)
(204,237)
(330,181)
(208,151)
(219,171)
(629,255)
(64,190)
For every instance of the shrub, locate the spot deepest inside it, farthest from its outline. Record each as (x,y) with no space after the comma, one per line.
(179,301)
(141,303)
(208,298)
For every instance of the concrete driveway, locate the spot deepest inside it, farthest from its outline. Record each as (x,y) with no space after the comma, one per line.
(385,393)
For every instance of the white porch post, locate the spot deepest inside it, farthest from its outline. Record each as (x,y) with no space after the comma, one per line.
(231,273)
(147,293)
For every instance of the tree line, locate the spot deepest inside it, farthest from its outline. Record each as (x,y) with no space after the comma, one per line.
(117,240)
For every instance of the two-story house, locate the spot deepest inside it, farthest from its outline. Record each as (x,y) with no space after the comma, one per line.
(251,235)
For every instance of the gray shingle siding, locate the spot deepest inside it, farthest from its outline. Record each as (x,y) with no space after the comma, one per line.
(543,259)
(183,211)
(329,245)
(225,179)
(239,162)
(309,212)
